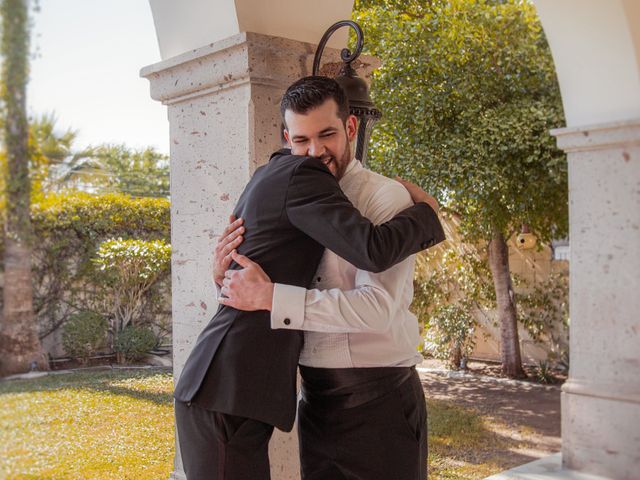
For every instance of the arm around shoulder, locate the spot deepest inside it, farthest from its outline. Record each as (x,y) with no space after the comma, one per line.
(317,206)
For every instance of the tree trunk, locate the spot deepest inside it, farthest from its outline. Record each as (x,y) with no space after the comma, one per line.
(455,357)
(20,348)
(509,342)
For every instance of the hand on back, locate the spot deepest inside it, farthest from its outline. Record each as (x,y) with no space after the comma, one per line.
(419,195)
(248,288)
(230,239)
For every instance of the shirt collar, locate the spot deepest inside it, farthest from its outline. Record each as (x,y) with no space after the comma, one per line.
(354,167)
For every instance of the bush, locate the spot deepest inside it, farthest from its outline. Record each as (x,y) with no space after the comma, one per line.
(544,311)
(130,269)
(451,284)
(133,343)
(69,228)
(450,334)
(544,373)
(84,334)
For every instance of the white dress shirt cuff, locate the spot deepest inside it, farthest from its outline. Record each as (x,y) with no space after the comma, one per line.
(287,310)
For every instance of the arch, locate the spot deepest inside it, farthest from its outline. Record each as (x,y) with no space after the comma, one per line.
(596,49)
(190,24)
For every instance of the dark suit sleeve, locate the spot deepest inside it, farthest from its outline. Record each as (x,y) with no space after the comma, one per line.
(317,206)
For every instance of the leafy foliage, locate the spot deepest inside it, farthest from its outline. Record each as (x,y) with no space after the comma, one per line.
(451,329)
(134,342)
(84,334)
(70,228)
(452,285)
(56,165)
(48,147)
(117,168)
(468,93)
(544,312)
(130,268)
(544,373)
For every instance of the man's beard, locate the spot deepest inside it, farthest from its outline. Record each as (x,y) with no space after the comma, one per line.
(345,159)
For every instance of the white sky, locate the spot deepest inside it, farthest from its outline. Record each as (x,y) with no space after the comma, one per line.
(88,57)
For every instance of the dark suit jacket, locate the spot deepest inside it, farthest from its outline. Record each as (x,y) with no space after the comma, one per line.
(292,208)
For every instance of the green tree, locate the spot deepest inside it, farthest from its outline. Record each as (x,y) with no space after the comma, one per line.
(50,149)
(118,168)
(19,344)
(56,164)
(469,93)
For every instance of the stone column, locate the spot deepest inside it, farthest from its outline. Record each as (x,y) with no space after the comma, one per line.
(601,399)
(224,112)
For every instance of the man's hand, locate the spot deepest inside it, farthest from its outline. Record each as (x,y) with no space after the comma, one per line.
(247,289)
(419,195)
(227,242)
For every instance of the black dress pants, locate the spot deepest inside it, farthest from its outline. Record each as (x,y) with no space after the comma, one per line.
(381,439)
(218,446)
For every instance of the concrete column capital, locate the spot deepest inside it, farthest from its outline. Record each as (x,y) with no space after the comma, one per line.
(597,137)
(243,58)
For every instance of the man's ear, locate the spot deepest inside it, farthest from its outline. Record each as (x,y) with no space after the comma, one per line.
(285,134)
(352,127)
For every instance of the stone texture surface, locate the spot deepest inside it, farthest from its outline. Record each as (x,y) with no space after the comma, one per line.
(224,111)
(549,468)
(601,399)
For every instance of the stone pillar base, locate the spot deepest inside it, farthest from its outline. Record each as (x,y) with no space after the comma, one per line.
(548,468)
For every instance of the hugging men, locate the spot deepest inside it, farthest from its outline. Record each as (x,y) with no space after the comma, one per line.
(362,413)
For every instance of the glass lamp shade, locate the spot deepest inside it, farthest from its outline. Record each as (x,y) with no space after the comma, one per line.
(361,106)
(366,121)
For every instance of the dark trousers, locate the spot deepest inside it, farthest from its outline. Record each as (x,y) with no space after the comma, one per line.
(218,446)
(381,439)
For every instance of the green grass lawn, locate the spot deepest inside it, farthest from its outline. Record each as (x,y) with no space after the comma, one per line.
(107,425)
(114,425)
(461,444)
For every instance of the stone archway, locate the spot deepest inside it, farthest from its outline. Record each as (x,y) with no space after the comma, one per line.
(226,62)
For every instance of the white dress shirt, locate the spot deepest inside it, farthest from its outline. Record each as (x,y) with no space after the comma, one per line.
(353,318)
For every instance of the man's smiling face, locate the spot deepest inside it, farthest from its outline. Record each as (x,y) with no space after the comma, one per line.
(321,133)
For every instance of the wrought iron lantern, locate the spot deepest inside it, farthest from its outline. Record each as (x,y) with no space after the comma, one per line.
(360,103)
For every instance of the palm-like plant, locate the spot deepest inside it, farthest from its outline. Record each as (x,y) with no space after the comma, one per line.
(117,168)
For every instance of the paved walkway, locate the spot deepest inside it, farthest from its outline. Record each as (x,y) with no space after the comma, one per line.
(527,414)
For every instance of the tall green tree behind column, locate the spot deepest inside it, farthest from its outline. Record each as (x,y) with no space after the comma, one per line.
(19,344)
(469,93)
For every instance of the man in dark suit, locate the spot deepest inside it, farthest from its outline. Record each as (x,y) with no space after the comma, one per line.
(239,380)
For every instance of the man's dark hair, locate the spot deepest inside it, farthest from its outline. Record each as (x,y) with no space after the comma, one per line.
(311,92)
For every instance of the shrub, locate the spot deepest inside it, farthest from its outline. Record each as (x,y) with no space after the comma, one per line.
(133,343)
(450,334)
(544,312)
(130,269)
(544,373)
(84,334)
(69,228)
(451,284)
